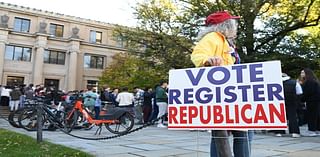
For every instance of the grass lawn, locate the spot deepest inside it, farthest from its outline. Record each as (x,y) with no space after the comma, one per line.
(13,144)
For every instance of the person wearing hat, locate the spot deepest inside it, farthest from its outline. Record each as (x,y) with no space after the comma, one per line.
(215,48)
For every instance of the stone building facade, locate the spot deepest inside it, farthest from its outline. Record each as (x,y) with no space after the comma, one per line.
(42,47)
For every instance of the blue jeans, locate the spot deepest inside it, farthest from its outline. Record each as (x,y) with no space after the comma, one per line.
(241,144)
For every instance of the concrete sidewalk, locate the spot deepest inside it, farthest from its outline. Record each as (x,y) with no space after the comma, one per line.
(158,142)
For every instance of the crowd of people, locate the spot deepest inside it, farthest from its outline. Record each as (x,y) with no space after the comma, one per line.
(15,96)
(146,105)
(302,100)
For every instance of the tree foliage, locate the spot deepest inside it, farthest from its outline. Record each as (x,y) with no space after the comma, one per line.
(286,30)
(129,71)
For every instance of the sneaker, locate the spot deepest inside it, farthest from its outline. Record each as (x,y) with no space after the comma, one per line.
(294,135)
(278,135)
(310,133)
(160,125)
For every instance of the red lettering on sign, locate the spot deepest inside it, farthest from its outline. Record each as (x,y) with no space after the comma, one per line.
(217,114)
(183,114)
(202,120)
(236,110)
(228,119)
(260,114)
(243,113)
(173,111)
(273,111)
(193,113)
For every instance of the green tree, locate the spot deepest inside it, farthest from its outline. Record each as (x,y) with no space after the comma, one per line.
(268,29)
(129,71)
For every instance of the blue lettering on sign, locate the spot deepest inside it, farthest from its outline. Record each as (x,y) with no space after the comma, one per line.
(225,78)
(195,80)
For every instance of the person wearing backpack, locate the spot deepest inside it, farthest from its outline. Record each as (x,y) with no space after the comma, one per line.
(90,99)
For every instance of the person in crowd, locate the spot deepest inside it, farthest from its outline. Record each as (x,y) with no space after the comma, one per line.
(114,95)
(29,92)
(125,99)
(5,96)
(155,108)
(302,109)
(138,102)
(89,99)
(292,91)
(15,98)
(311,95)
(105,96)
(162,102)
(214,49)
(23,96)
(147,104)
(97,107)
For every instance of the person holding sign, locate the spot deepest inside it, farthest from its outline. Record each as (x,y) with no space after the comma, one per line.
(213,49)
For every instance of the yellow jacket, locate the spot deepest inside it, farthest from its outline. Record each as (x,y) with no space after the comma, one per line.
(211,45)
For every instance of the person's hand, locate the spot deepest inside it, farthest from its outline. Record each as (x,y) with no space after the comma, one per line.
(214,61)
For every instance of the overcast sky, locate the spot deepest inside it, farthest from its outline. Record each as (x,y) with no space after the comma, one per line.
(111,11)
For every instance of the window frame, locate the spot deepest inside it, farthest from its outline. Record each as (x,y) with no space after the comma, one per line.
(55,29)
(23,53)
(93,37)
(21,24)
(54,60)
(93,61)
(120,42)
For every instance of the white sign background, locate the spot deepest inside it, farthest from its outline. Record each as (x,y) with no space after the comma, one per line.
(179,80)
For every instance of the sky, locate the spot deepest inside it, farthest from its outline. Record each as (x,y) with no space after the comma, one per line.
(110,11)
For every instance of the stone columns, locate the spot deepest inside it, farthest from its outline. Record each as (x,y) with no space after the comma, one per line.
(39,47)
(80,71)
(72,67)
(3,42)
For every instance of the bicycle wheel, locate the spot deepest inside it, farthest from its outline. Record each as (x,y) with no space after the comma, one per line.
(28,119)
(70,120)
(13,117)
(124,125)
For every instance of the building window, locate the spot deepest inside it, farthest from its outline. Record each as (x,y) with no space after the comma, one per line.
(15,81)
(120,42)
(56,30)
(21,25)
(17,53)
(92,84)
(92,61)
(51,83)
(54,57)
(95,37)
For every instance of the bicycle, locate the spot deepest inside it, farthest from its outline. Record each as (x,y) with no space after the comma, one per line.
(116,120)
(53,116)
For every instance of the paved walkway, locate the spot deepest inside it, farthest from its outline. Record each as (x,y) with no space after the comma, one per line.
(158,142)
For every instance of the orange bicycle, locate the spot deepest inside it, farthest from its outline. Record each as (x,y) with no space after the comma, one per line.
(116,120)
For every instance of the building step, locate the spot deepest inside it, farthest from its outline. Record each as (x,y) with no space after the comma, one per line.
(4,111)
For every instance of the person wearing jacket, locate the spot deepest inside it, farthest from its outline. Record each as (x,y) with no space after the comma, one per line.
(15,98)
(214,49)
(162,102)
(292,91)
(311,95)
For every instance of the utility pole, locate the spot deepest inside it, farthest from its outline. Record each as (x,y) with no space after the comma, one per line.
(39,122)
